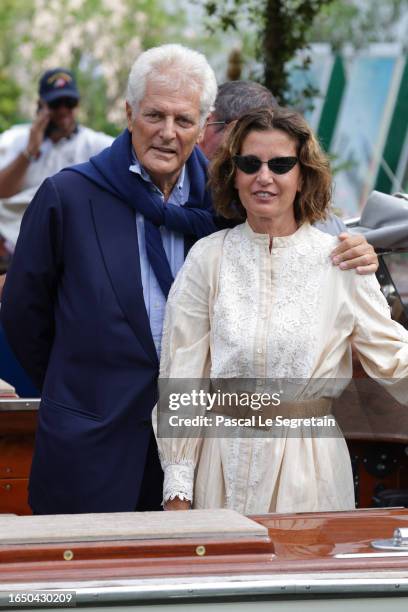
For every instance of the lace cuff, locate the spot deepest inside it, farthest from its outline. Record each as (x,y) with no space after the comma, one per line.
(178,481)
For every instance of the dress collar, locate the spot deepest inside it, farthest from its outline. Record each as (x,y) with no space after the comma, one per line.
(278,241)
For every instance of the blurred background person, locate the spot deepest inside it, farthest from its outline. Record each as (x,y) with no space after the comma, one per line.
(30,153)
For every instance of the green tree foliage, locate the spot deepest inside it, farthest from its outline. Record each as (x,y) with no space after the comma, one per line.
(279,29)
(98,39)
(282,28)
(285,30)
(358,23)
(12,14)
(9,95)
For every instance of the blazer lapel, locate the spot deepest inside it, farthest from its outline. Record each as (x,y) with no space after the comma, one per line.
(115,225)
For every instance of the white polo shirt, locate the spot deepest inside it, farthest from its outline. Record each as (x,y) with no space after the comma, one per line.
(78,148)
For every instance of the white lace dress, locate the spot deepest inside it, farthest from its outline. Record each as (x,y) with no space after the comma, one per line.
(237,310)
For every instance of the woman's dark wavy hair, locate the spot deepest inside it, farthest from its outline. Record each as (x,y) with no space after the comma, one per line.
(312,203)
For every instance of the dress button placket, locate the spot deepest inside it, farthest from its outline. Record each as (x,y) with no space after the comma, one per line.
(260,342)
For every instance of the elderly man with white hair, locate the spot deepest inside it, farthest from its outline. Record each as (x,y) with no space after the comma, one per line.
(84,299)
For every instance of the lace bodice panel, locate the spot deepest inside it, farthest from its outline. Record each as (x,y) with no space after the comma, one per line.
(267,309)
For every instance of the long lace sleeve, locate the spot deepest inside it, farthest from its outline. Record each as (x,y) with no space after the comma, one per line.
(186,355)
(382,344)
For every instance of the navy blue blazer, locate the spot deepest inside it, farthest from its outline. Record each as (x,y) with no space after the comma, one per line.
(74,314)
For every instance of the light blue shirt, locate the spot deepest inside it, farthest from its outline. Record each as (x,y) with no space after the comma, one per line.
(173,244)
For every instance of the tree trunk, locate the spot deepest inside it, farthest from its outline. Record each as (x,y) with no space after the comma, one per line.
(275,50)
(284,33)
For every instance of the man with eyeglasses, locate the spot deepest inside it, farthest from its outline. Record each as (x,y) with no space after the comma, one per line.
(234,99)
(31,153)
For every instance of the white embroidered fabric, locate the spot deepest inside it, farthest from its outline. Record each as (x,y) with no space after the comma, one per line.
(258,313)
(239,310)
(178,481)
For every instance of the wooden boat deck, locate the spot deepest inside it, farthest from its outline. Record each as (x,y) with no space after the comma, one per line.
(312,544)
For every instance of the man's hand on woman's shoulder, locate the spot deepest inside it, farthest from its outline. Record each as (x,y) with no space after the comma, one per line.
(354,252)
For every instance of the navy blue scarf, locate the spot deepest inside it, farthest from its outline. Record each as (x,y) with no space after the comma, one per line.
(110,170)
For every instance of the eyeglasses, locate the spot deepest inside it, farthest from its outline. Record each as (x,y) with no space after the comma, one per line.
(220,123)
(67,102)
(251,164)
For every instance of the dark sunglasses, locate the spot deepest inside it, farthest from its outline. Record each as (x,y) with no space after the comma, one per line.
(251,164)
(67,102)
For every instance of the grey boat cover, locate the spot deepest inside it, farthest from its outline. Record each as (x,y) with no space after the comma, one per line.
(384,221)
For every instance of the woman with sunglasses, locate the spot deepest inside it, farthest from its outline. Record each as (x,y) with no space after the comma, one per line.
(262,306)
